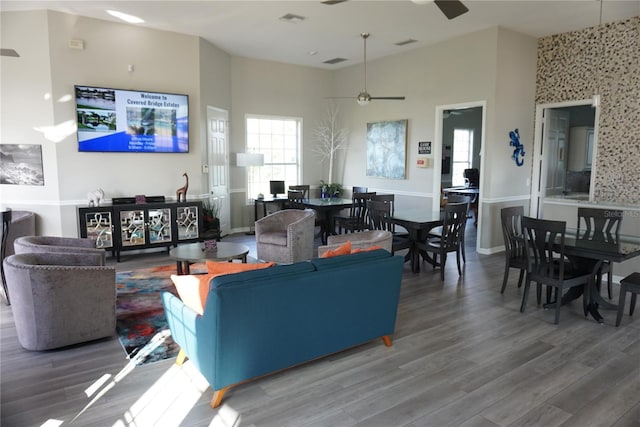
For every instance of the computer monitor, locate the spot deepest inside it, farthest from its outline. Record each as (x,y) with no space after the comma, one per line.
(276,187)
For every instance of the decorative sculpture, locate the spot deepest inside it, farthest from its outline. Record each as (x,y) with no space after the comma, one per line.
(182,191)
(518,153)
(95,197)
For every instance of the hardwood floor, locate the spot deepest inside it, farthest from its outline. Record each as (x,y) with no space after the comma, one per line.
(462,355)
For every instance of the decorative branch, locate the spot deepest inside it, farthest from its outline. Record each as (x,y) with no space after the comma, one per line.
(330,139)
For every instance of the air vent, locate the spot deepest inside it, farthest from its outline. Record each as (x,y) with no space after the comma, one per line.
(332,2)
(405,42)
(292,18)
(335,61)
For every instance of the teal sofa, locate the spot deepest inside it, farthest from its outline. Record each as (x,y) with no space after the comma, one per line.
(263,321)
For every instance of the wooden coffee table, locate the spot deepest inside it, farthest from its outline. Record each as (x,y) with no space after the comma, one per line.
(186,255)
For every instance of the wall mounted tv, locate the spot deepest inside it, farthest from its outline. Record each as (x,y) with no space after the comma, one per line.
(115,120)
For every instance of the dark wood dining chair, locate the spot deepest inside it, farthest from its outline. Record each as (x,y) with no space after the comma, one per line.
(630,284)
(391,200)
(450,239)
(380,213)
(547,263)
(357,219)
(304,188)
(601,225)
(295,199)
(359,189)
(511,219)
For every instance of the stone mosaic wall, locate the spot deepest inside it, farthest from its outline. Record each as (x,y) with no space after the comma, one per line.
(605,60)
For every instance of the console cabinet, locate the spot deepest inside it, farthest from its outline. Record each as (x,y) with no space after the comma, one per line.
(141,226)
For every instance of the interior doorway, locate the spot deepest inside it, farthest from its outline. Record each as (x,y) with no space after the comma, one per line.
(459,135)
(564,158)
(218,159)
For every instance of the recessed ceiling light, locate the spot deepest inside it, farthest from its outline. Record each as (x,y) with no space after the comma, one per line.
(126,17)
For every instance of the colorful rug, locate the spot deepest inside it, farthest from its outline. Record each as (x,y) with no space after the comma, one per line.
(141,323)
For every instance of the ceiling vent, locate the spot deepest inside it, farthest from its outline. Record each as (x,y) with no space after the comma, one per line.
(332,2)
(335,61)
(405,42)
(292,18)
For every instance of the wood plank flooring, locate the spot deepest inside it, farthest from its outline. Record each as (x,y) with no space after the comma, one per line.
(462,355)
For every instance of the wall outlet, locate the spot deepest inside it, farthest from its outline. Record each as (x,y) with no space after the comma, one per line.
(205,168)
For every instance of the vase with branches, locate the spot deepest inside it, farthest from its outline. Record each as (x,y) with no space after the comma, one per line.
(330,139)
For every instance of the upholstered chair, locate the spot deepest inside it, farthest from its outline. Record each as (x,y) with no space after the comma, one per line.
(286,236)
(359,240)
(60,299)
(48,244)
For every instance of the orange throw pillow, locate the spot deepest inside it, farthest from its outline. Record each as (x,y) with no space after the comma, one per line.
(194,289)
(370,248)
(344,249)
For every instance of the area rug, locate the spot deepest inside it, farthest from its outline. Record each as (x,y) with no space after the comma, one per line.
(141,323)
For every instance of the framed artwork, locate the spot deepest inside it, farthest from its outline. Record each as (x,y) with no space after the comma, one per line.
(21,164)
(387,149)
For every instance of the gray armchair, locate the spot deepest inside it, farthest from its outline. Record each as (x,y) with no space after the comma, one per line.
(286,236)
(59,299)
(49,244)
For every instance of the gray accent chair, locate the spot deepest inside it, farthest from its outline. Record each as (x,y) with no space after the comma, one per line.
(49,244)
(286,236)
(359,240)
(60,299)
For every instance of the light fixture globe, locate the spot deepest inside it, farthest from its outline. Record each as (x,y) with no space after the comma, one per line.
(363,98)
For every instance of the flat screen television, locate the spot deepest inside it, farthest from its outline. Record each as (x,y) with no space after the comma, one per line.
(126,121)
(276,187)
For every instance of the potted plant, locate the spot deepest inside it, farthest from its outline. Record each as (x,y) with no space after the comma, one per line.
(329,190)
(210,213)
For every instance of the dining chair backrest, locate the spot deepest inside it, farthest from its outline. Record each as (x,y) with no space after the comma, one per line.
(295,199)
(511,219)
(379,215)
(356,189)
(599,224)
(544,245)
(455,219)
(386,198)
(303,188)
(359,207)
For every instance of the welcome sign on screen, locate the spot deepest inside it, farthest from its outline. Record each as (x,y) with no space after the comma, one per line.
(131,121)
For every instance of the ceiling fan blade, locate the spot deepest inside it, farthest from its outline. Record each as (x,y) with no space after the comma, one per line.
(400,98)
(451,8)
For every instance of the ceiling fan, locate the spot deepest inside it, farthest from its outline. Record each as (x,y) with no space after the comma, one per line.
(364,97)
(450,8)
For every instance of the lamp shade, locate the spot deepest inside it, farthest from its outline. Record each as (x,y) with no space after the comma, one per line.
(249,159)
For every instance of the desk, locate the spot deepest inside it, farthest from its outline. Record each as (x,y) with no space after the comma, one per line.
(326,210)
(418,222)
(186,255)
(280,201)
(621,248)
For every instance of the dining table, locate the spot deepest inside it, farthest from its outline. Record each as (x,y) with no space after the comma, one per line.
(594,251)
(418,223)
(326,209)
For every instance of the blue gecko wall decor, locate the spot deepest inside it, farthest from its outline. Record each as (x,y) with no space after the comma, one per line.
(518,152)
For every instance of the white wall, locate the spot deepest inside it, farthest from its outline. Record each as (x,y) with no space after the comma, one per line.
(162,61)
(494,66)
(271,88)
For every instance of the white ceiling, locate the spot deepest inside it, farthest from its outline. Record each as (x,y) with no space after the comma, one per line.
(252,28)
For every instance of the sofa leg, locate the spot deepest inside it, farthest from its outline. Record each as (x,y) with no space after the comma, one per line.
(386,339)
(181,358)
(217,396)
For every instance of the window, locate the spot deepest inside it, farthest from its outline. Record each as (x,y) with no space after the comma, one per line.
(278,138)
(462,155)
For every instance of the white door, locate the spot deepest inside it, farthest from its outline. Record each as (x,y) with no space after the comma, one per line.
(218,147)
(553,158)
